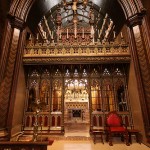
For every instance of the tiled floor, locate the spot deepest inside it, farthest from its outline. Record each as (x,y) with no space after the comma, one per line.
(89,145)
(73,141)
(77,129)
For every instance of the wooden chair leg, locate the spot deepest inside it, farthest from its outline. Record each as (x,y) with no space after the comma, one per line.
(102,138)
(138,138)
(130,140)
(110,139)
(127,139)
(96,134)
(94,138)
(122,138)
(107,137)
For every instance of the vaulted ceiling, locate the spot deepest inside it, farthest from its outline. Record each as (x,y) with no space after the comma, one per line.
(51,9)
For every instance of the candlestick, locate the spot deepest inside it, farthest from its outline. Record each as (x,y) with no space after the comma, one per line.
(121,35)
(75,31)
(93,40)
(114,34)
(58,31)
(82,32)
(60,34)
(99,33)
(52,35)
(37,36)
(92,31)
(67,33)
(45,35)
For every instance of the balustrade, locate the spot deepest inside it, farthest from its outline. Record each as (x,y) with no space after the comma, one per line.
(40,50)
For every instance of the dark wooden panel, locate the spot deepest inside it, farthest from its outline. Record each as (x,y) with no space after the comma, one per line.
(25,145)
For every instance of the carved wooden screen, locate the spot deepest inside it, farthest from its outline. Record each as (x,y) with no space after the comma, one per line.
(121,91)
(96,96)
(33,89)
(45,87)
(108,94)
(108,90)
(57,85)
(101,88)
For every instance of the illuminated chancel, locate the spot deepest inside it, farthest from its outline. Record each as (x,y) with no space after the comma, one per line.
(83,69)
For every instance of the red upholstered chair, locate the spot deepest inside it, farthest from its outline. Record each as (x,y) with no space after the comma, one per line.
(114,127)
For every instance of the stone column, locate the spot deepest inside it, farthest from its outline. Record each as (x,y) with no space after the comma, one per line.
(139,52)
(11,60)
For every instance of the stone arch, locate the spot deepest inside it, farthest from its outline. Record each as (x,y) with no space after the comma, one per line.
(131,7)
(21,8)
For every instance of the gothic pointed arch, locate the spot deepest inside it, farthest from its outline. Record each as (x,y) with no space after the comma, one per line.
(21,9)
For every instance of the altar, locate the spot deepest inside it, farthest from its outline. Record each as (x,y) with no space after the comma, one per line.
(76,111)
